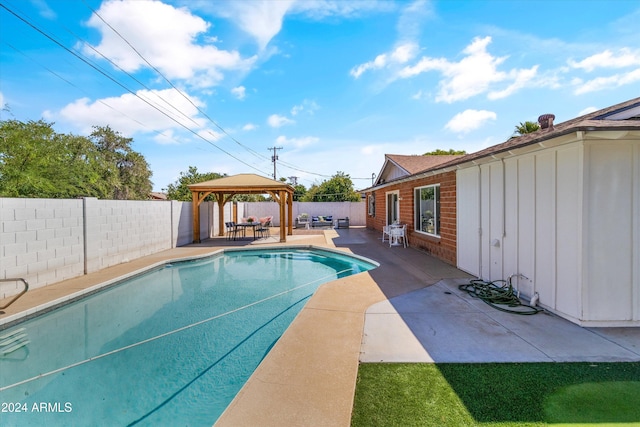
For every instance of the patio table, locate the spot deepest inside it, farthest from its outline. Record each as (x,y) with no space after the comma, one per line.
(253,225)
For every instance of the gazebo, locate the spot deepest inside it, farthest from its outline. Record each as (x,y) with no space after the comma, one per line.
(225,188)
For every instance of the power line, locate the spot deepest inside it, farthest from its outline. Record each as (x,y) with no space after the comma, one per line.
(172,85)
(157,107)
(113,79)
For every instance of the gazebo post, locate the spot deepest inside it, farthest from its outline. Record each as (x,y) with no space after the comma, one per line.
(282,196)
(195,208)
(220,200)
(289,214)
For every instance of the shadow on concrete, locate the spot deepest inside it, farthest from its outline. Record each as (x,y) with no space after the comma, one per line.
(426,318)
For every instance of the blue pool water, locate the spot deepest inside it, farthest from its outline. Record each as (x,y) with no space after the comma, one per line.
(170,347)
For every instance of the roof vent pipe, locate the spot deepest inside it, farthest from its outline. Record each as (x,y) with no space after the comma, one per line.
(546,121)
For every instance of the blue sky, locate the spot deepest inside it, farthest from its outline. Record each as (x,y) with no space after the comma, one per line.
(336,84)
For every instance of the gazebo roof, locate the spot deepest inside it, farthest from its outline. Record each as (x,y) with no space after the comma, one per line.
(245,183)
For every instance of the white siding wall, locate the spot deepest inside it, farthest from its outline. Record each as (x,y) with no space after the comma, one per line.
(571,217)
(468,220)
(611,215)
(568,225)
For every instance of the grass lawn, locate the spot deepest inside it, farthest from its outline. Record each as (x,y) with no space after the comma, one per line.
(497,394)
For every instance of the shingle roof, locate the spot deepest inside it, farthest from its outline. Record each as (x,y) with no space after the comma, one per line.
(605,119)
(414,163)
(588,122)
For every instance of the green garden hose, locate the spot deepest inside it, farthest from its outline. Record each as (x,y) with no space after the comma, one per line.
(499,295)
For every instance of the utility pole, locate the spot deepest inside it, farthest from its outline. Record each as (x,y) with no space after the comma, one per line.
(294,180)
(274,158)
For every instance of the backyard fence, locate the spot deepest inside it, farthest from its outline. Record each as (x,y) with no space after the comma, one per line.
(45,241)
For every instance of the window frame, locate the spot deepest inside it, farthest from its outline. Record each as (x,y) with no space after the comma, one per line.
(419,220)
(372,204)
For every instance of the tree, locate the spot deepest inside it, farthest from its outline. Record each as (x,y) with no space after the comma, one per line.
(35,161)
(179,189)
(337,189)
(439,152)
(526,127)
(127,171)
(299,192)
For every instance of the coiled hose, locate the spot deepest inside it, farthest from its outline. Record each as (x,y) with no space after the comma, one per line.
(499,295)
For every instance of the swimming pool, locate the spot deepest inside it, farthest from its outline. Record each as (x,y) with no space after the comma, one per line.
(172,346)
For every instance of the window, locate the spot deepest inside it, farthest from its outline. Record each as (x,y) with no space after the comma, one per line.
(427,207)
(372,204)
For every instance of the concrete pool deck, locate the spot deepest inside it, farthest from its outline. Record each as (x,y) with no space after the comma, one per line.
(407,310)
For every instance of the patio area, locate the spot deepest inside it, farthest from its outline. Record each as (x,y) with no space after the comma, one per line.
(409,309)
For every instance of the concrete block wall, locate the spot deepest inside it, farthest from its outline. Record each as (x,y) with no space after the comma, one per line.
(45,241)
(126,230)
(41,240)
(356,211)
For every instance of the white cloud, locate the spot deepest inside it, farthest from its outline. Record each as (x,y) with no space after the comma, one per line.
(587,111)
(297,142)
(412,19)
(520,78)
(166,37)
(477,72)
(239,92)
(607,59)
(308,106)
(210,135)
(400,55)
(249,127)
(321,9)
(609,82)
(276,121)
(469,77)
(261,19)
(469,120)
(44,10)
(129,114)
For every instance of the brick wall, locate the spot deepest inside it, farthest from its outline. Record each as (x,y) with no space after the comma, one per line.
(443,247)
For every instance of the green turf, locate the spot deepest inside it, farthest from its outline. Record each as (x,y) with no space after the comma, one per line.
(497,394)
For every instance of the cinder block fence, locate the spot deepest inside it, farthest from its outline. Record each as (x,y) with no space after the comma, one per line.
(45,241)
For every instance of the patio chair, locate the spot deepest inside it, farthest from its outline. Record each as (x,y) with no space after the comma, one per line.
(233,230)
(264,230)
(396,233)
(385,231)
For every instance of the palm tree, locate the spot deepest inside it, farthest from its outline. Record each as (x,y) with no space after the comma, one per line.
(527,127)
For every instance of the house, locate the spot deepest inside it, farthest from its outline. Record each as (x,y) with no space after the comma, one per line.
(157,196)
(560,206)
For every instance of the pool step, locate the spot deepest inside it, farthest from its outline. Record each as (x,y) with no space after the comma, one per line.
(13,341)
